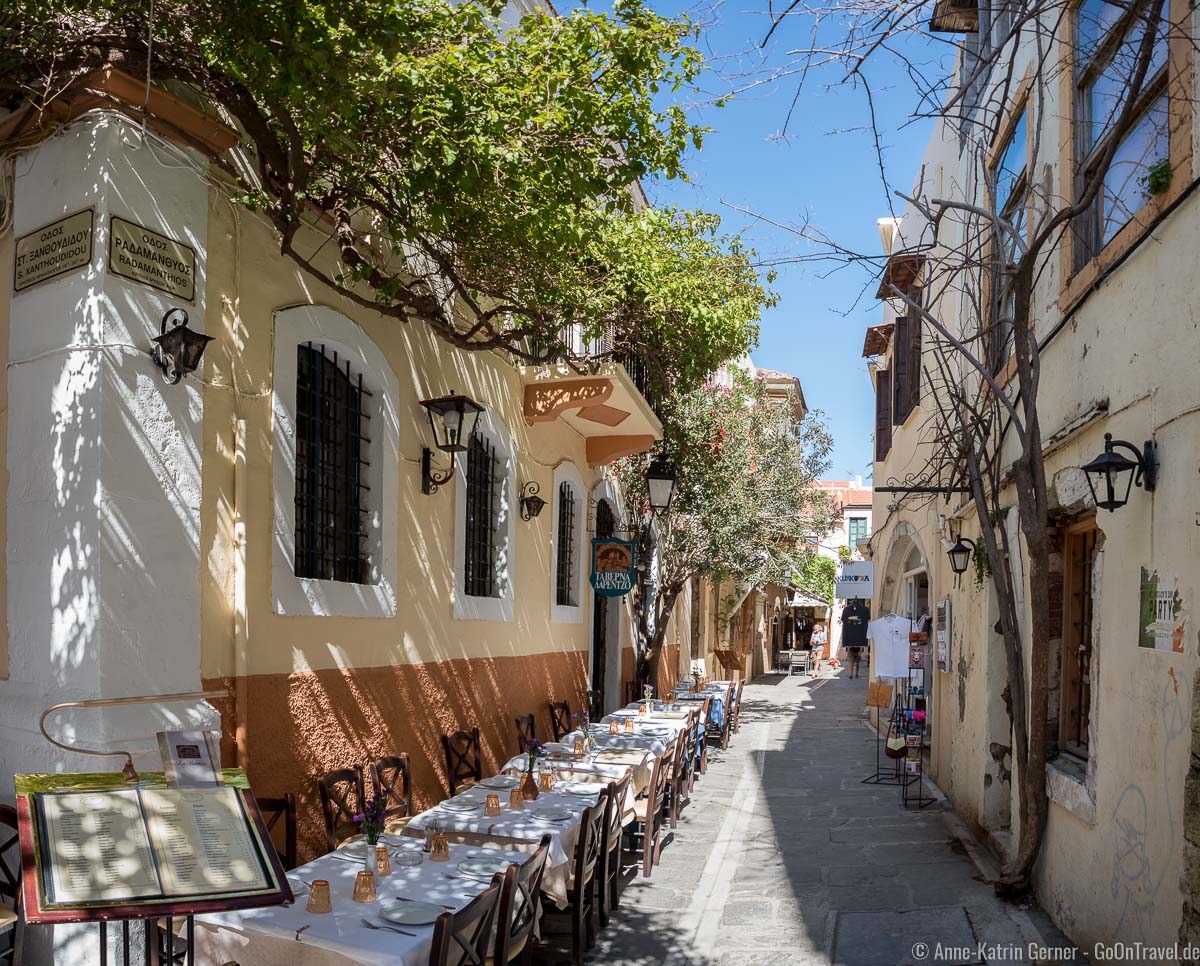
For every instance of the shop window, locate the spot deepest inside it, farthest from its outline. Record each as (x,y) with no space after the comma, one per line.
(1110,39)
(1078,602)
(857,530)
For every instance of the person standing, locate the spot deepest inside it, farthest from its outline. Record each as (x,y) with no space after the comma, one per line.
(855,617)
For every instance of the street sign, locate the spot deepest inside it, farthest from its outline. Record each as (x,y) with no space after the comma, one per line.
(612,566)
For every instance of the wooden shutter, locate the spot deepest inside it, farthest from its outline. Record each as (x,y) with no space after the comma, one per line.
(914,355)
(883,414)
(900,356)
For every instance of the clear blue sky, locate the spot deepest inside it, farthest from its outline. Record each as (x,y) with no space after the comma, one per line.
(825,172)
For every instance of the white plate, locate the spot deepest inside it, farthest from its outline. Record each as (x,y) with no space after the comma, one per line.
(405,913)
(551,814)
(655,730)
(482,866)
(355,850)
(459,805)
(500,781)
(586,789)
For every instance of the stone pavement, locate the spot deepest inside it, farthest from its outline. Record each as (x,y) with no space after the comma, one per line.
(784,857)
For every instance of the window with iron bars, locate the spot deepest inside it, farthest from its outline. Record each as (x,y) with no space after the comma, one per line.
(480,577)
(565,589)
(331,451)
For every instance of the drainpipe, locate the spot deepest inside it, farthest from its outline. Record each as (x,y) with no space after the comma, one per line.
(241,682)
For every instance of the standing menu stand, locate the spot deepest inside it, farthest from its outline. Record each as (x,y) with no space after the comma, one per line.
(914,729)
(887,770)
(97,848)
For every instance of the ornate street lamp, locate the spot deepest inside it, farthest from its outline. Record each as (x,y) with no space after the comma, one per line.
(960,554)
(1116,474)
(531,503)
(177,350)
(452,420)
(660,482)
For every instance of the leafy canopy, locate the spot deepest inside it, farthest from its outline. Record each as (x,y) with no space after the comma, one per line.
(475,171)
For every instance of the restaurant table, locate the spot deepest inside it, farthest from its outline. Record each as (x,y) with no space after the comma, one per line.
(656,745)
(268,936)
(716,712)
(561,760)
(522,824)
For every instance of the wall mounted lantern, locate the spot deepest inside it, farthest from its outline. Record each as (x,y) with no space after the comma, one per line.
(177,349)
(531,503)
(960,554)
(1117,474)
(660,482)
(452,421)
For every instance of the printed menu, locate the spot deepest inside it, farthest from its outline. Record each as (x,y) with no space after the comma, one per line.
(147,843)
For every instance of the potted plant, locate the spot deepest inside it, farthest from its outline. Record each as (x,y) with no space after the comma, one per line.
(529,785)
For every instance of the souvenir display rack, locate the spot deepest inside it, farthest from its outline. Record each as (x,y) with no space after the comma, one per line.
(888,771)
(910,721)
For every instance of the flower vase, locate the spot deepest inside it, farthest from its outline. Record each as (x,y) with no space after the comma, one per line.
(529,786)
(369,857)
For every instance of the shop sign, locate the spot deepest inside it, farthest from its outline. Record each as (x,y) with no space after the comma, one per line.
(941,624)
(142,255)
(53,250)
(612,566)
(855,580)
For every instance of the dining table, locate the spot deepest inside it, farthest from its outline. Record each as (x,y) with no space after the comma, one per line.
(290,935)
(607,764)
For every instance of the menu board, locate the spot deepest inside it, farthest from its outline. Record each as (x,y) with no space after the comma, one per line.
(140,843)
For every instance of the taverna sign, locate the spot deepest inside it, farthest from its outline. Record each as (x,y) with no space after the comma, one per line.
(612,566)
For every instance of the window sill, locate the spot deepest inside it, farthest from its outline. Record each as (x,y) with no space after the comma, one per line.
(310,597)
(497,609)
(566,614)
(1066,785)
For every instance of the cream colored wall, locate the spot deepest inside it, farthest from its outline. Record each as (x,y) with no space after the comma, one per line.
(248,282)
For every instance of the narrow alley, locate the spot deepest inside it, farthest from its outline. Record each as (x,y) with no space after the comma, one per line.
(786,857)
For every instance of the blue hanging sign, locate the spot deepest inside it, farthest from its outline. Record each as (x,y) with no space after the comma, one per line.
(612,566)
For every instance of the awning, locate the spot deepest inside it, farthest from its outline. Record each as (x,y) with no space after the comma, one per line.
(605,408)
(876,342)
(802,598)
(902,271)
(955,16)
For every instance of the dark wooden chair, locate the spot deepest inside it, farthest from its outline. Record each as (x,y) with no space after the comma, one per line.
(11,925)
(391,779)
(720,733)
(275,810)
(705,711)
(462,938)
(463,764)
(648,814)
(611,849)
(343,795)
(632,692)
(583,882)
(520,907)
(560,719)
(679,784)
(526,732)
(737,707)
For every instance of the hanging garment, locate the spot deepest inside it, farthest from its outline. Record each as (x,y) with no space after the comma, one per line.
(890,634)
(855,617)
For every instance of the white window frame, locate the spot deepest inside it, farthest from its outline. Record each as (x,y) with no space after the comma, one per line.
(568,473)
(498,608)
(310,597)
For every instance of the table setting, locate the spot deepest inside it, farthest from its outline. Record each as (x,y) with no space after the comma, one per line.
(395,927)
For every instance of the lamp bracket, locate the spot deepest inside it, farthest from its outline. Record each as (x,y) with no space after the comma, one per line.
(1146,458)
(430,481)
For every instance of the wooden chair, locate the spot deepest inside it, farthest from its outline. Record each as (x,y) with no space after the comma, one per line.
(391,779)
(11,925)
(721,733)
(462,938)
(282,808)
(647,816)
(611,851)
(705,711)
(583,881)
(463,765)
(677,778)
(560,719)
(632,693)
(520,907)
(343,795)
(526,732)
(737,706)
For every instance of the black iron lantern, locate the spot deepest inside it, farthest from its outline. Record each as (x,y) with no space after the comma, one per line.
(531,504)
(177,349)
(960,554)
(452,421)
(660,483)
(1111,475)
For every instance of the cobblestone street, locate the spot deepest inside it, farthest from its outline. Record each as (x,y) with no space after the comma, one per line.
(785,857)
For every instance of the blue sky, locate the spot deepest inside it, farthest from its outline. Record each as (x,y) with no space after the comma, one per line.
(824,172)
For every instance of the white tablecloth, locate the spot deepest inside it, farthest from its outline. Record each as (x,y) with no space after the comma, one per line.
(656,745)
(521,824)
(267,937)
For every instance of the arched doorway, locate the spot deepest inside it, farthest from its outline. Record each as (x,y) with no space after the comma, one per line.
(601,623)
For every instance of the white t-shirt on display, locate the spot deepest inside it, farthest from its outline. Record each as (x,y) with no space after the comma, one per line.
(890,634)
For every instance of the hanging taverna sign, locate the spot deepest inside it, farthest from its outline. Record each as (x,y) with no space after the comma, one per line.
(612,566)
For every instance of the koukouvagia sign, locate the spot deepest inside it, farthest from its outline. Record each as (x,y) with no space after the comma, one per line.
(612,566)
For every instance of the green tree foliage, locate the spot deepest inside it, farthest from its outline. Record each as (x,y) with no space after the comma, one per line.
(439,161)
(745,507)
(818,576)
